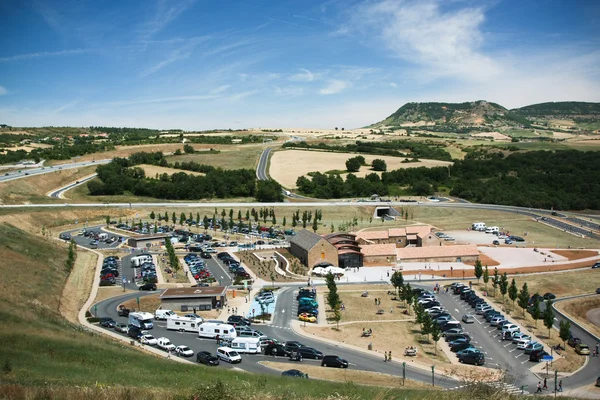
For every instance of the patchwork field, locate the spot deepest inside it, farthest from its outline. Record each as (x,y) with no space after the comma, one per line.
(230,157)
(287,166)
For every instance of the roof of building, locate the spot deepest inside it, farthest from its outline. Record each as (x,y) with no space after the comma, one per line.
(372,235)
(344,235)
(208,291)
(149,237)
(387,249)
(395,232)
(408,253)
(419,230)
(305,239)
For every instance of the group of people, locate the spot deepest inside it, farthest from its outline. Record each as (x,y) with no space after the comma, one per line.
(387,356)
(545,386)
(377,301)
(367,332)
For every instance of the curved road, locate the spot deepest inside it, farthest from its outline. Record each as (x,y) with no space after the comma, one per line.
(25,172)
(58,193)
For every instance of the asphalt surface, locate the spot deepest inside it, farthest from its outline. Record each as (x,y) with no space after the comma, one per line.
(261,174)
(280,330)
(84,241)
(57,194)
(25,172)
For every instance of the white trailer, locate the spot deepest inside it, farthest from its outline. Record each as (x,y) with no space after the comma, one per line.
(478,226)
(246,345)
(492,229)
(141,320)
(102,237)
(139,260)
(213,329)
(183,324)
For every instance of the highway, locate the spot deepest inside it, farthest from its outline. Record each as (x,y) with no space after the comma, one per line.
(263,162)
(59,193)
(25,172)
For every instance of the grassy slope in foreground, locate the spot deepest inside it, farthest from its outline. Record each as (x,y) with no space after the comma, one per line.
(41,349)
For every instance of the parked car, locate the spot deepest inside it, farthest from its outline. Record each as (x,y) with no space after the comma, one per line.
(165,344)
(538,355)
(452,332)
(467,351)
(107,322)
(292,345)
(496,243)
(596,265)
(334,361)
(582,349)
(549,296)
(516,336)
(274,349)
(238,320)
(149,340)
(307,317)
(460,346)
(309,352)
(184,351)
(294,373)
(204,357)
(475,358)
(573,341)
(468,319)
(121,327)
(531,347)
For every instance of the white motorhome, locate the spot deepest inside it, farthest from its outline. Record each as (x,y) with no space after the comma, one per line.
(183,324)
(102,237)
(141,320)
(139,260)
(246,345)
(478,226)
(492,229)
(161,314)
(213,329)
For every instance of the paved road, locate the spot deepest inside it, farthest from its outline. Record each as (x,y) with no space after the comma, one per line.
(25,172)
(58,193)
(263,161)
(285,300)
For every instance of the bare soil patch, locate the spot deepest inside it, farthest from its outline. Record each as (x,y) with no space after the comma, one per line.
(349,375)
(287,166)
(153,170)
(78,286)
(485,260)
(576,254)
(580,310)
(360,308)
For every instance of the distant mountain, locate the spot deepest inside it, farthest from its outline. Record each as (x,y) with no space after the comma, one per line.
(570,109)
(475,113)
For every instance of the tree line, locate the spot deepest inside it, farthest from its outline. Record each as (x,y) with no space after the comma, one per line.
(122,175)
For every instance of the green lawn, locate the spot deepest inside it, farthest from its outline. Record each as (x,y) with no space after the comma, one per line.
(234,157)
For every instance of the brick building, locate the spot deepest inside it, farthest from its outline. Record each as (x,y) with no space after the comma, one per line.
(312,249)
(199,298)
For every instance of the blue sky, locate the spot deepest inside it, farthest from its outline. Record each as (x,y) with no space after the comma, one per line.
(238,64)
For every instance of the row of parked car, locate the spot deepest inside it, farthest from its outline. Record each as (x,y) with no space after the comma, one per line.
(509,331)
(234,265)
(110,271)
(308,306)
(197,266)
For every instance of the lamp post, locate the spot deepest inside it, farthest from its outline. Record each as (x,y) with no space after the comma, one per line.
(433,375)
(463,274)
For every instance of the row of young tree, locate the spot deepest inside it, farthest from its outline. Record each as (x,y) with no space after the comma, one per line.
(173,259)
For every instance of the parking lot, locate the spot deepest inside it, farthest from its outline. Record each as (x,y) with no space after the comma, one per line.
(89,237)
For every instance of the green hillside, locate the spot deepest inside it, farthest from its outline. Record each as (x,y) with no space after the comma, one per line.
(560,109)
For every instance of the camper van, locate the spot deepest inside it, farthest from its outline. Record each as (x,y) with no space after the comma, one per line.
(492,229)
(161,314)
(141,320)
(478,226)
(246,345)
(212,330)
(183,324)
(139,260)
(102,237)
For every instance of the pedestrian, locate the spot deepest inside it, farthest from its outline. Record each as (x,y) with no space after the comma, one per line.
(389,356)
(218,340)
(228,310)
(376,301)
(388,273)
(169,354)
(246,298)
(539,387)
(385,356)
(545,384)
(560,386)
(379,301)
(597,348)
(391,310)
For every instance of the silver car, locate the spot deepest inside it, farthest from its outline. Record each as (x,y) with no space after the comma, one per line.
(468,319)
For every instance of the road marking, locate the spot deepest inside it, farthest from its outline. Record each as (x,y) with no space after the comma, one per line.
(523,362)
(522,354)
(348,363)
(456,309)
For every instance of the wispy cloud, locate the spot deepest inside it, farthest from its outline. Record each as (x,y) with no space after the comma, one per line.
(220,89)
(66,106)
(3,90)
(393,84)
(288,91)
(334,86)
(304,76)
(243,95)
(445,43)
(157,67)
(166,12)
(173,99)
(41,54)
(227,47)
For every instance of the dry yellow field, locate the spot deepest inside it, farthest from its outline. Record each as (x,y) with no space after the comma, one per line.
(152,170)
(287,166)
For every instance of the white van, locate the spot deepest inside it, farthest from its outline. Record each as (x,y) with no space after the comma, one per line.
(102,237)
(246,345)
(229,355)
(212,330)
(252,334)
(161,314)
(478,226)
(183,324)
(139,260)
(492,229)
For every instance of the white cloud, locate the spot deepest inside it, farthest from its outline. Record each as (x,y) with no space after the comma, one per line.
(288,90)
(41,54)
(220,89)
(242,95)
(3,90)
(165,13)
(66,106)
(157,67)
(443,43)
(393,84)
(334,86)
(304,76)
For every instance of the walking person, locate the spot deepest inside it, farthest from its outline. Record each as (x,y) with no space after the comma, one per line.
(385,358)
(545,384)
(539,387)
(560,386)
